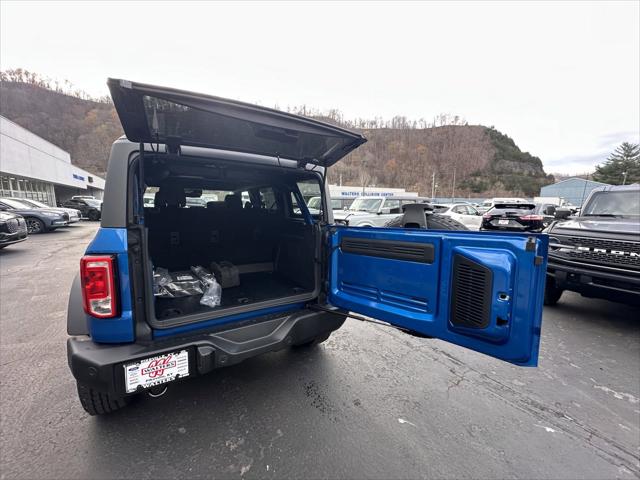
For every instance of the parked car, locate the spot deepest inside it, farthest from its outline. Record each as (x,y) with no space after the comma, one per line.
(74,215)
(83,197)
(489,203)
(464,213)
(550,212)
(287,279)
(315,203)
(89,207)
(598,253)
(513,217)
(39,220)
(13,229)
(373,211)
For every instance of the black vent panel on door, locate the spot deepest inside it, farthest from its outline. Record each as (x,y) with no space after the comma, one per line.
(471,294)
(391,249)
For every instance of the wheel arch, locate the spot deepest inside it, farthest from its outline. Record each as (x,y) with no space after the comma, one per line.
(76,318)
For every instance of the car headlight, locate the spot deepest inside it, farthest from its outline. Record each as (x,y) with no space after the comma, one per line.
(52,214)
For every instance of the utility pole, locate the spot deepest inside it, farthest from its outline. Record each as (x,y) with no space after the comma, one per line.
(453,187)
(433,186)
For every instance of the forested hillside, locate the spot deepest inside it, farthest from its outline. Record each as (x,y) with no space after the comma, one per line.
(83,126)
(399,153)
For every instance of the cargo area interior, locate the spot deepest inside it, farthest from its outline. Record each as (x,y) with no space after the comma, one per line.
(203,211)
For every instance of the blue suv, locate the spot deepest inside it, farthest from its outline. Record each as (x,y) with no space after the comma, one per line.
(203,186)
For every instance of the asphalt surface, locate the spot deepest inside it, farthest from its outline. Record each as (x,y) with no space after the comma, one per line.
(371,402)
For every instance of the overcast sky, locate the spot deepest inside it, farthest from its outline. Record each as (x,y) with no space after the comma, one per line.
(561,79)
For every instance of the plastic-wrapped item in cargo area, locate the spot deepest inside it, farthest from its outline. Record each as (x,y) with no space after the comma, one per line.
(175,284)
(212,295)
(161,277)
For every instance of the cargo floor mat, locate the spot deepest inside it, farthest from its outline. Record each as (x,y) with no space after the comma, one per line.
(254,287)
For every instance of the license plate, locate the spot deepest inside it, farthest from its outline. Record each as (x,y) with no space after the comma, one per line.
(154,371)
(503,222)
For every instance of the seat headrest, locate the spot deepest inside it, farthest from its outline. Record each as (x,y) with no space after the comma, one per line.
(233,201)
(170,197)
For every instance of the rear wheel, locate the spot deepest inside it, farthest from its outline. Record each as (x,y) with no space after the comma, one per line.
(93,215)
(99,403)
(552,292)
(35,225)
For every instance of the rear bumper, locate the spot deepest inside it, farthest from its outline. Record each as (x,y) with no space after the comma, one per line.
(100,366)
(614,284)
(511,228)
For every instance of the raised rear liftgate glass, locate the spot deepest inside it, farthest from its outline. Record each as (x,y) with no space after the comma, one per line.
(156,114)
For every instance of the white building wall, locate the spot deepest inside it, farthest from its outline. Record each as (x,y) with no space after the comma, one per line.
(346,191)
(25,154)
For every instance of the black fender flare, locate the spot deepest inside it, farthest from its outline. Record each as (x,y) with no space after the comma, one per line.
(76,318)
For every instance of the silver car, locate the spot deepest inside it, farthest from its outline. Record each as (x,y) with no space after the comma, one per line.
(74,215)
(373,211)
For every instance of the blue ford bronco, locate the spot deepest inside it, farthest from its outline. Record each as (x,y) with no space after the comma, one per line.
(205,187)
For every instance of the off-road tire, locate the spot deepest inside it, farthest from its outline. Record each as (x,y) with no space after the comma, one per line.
(99,403)
(434,222)
(552,292)
(312,343)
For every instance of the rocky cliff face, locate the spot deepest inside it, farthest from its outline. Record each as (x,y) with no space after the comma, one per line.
(484,161)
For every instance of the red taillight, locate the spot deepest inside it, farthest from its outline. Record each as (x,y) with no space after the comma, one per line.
(99,296)
(532,217)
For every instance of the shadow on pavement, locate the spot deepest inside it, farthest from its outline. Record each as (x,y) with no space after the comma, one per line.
(248,401)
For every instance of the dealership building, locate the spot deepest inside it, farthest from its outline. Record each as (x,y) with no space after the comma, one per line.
(31,167)
(574,190)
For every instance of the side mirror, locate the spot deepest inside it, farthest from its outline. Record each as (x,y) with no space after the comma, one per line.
(562,213)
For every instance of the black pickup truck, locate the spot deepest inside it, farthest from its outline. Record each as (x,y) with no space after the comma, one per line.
(598,253)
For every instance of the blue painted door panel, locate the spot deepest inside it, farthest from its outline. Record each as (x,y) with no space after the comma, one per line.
(480,290)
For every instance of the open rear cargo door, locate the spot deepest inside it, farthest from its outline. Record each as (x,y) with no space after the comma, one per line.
(173,117)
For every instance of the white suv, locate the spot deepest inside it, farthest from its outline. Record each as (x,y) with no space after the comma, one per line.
(373,211)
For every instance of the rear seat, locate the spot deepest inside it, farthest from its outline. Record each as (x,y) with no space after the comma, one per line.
(180,237)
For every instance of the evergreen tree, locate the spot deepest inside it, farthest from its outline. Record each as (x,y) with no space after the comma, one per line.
(622,166)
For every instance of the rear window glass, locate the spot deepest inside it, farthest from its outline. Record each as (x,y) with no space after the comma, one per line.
(192,126)
(201,201)
(311,193)
(514,206)
(268,199)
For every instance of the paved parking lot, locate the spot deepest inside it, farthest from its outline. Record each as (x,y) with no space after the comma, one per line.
(371,402)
